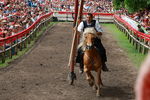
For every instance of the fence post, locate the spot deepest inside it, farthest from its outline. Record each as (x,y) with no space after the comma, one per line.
(132,41)
(20,45)
(136,45)
(139,46)
(16,46)
(24,44)
(144,49)
(130,36)
(29,38)
(4,51)
(10,51)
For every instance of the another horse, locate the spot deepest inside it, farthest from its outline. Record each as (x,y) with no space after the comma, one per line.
(92,60)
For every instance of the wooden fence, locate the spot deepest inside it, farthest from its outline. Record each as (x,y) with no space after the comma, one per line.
(139,40)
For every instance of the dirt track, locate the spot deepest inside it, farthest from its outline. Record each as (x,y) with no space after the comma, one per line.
(42,73)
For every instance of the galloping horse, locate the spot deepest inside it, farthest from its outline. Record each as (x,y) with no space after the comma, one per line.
(91,59)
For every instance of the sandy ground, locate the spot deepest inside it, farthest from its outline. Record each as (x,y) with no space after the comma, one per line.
(41,74)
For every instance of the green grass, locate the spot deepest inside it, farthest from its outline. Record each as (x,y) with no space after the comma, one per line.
(29,46)
(123,42)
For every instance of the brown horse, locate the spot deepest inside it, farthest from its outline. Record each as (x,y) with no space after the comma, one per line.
(92,62)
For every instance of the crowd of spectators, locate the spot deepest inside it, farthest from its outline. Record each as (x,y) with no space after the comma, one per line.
(143,18)
(98,6)
(17,15)
(89,5)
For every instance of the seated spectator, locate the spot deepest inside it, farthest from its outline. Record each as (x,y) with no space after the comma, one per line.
(140,29)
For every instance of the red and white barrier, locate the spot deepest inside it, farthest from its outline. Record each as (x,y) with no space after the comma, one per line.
(136,32)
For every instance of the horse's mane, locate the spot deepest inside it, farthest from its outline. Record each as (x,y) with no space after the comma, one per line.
(88,30)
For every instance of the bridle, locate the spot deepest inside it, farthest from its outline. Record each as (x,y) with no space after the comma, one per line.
(89,47)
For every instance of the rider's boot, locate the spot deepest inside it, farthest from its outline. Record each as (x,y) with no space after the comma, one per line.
(81,69)
(79,59)
(104,67)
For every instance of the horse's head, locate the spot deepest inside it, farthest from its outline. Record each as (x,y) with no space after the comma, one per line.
(89,36)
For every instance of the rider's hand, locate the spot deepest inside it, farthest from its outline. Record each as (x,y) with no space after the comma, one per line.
(99,33)
(75,28)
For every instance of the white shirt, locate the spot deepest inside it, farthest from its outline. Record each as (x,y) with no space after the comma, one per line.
(97,27)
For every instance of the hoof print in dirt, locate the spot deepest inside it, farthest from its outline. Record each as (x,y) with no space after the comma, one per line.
(22,87)
(36,84)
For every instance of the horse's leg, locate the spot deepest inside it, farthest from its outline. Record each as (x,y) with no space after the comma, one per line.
(93,82)
(89,77)
(98,81)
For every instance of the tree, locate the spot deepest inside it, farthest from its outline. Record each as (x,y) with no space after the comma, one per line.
(135,5)
(131,5)
(118,4)
(148,3)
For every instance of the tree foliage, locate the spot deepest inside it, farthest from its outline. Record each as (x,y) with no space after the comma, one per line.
(118,4)
(131,5)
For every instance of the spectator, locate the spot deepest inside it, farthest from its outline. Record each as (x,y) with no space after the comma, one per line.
(140,29)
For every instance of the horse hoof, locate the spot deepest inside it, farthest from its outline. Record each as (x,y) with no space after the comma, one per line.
(94,88)
(98,94)
(91,84)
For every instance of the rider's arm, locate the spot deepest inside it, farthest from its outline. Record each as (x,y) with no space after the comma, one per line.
(80,27)
(98,28)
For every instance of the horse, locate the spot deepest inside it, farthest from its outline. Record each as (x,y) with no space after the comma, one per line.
(92,60)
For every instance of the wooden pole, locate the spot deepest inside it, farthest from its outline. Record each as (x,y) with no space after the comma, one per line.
(76,12)
(79,19)
(74,45)
(80,11)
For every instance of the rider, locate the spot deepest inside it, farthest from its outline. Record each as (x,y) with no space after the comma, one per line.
(89,22)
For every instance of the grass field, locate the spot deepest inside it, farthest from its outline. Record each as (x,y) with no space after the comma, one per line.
(123,42)
(21,53)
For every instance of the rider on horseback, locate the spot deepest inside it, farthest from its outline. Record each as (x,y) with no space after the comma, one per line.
(89,22)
